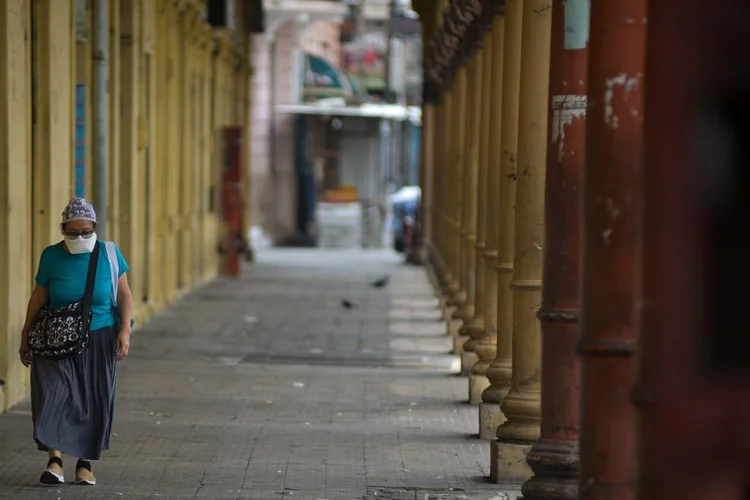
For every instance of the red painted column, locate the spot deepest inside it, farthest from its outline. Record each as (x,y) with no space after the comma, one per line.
(554,458)
(610,214)
(693,388)
(231,189)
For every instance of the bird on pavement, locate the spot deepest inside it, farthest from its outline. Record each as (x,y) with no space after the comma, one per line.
(347,304)
(381,282)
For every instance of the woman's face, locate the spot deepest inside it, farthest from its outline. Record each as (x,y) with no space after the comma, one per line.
(76,228)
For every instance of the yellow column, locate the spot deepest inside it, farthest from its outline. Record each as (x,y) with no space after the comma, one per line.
(15,195)
(435,202)
(522,405)
(194,148)
(185,158)
(148,195)
(498,207)
(217,120)
(208,224)
(500,370)
(428,167)
(469,205)
(114,188)
(464,111)
(455,193)
(476,329)
(54,121)
(204,160)
(454,161)
(432,234)
(161,164)
(445,153)
(174,128)
(131,232)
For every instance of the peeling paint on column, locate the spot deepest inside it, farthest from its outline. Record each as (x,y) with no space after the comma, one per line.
(628,84)
(577,14)
(565,109)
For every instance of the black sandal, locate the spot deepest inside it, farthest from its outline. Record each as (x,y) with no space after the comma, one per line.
(51,477)
(85,465)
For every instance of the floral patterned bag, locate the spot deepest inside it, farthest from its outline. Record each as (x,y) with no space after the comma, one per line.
(64,333)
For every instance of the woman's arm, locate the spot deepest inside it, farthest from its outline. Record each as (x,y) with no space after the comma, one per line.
(124,302)
(125,306)
(39,298)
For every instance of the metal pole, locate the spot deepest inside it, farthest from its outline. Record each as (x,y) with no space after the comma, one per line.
(385,176)
(392,10)
(100,76)
(396,175)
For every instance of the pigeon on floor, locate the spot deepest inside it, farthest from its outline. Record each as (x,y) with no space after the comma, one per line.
(381,282)
(347,304)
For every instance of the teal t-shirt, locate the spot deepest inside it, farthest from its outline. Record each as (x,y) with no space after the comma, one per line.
(64,275)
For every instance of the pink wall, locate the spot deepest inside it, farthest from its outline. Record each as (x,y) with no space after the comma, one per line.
(274,206)
(322,39)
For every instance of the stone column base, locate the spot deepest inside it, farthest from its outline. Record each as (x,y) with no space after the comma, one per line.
(477,385)
(447,310)
(508,462)
(490,418)
(555,464)
(452,327)
(440,297)
(468,360)
(458,345)
(417,256)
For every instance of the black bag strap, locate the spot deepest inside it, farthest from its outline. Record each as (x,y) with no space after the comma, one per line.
(90,277)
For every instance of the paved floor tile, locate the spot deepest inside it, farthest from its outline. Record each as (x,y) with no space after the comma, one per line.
(266,387)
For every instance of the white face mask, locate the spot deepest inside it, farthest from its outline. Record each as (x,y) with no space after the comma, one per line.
(80,245)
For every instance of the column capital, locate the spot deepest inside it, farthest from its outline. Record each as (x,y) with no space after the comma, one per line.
(204,36)
(431,92)
(451,36)
(497,7)
(180,5)
(193,23)
(488,14)
(466,11)
(481,23)
(223,44)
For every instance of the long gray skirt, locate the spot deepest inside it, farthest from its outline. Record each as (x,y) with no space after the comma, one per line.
(72,400)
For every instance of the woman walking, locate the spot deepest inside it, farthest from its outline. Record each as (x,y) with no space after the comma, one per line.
(73,388)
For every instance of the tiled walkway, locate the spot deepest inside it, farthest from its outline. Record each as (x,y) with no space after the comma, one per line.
(267,387)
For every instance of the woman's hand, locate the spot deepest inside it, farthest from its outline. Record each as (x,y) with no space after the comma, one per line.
(25,354)
(123,344)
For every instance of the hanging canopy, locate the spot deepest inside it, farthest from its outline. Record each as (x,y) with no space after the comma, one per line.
(323,79)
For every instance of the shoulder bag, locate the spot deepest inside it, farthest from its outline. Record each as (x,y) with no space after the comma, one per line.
(64,333)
